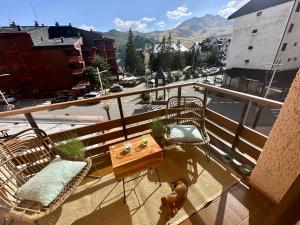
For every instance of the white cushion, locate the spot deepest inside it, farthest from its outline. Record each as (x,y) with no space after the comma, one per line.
(47,184)
(185,133)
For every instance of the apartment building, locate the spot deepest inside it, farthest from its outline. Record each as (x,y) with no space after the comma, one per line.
(40,60)
(265,33)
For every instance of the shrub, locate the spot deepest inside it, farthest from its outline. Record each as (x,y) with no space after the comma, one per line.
(158,129)
(187,76)
(71,149)
(145,96)
(160,97)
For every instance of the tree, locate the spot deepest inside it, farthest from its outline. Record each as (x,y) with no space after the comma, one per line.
(213,57)
(162,55)
(90,74)
(100,63)
(130,59)
(178,61)
(153,62)
(140,64)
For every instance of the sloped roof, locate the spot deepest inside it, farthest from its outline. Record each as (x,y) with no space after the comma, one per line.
(256,5)
(160,74)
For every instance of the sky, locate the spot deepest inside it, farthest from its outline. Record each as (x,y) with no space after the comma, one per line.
(103,15)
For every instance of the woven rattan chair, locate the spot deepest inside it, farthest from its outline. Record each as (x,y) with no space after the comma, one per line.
(21,157)
(186,111)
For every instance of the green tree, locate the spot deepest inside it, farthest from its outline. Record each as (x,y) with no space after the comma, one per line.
(153,62)
(101,63)
(90,74)
(213,57)
(162,55)
(178,61)
(140,64)
(130,59)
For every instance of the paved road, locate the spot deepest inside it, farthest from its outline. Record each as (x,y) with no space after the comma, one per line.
(131,105)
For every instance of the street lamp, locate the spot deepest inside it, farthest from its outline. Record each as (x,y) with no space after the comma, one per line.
(277,64)
(99,77)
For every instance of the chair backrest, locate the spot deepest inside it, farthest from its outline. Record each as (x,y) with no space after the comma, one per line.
(185,110)
(21,156)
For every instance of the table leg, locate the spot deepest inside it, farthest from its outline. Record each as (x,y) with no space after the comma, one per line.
(124,194)
(158,175)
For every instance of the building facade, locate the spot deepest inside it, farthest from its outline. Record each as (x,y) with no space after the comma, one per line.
(38,61)
(266,33)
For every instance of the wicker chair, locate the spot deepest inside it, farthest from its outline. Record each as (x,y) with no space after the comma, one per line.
(21,157)
(186,111)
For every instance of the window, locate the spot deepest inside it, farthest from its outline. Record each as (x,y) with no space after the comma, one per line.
(284,47)
(298,7)
(259,13)
(254,31)
(291,27)
(295,58)
(247,61)
(295,44)
(250,47)
(289,59)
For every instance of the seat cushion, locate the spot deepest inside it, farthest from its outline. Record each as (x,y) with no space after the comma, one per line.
(47,184)
(185,133)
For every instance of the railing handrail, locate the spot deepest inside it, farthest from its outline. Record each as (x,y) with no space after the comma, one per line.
(255,99)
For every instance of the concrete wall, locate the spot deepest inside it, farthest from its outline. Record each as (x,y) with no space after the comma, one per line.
(270,29)
(290,58)
(279,163)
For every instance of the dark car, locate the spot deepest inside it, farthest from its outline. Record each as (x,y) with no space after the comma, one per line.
(116,88)
(61,99)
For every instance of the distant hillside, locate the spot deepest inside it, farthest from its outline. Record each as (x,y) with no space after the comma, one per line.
(189,31)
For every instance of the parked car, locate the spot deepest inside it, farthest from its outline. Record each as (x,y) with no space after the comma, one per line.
(9,99)
(61,99)
(116,88)
(208,82)
(92,94)
(218,80)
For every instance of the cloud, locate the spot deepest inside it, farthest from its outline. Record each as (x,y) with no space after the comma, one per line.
(231,7)
(148,20)
(176,14)
(87,27)
(160,25)
(125,25)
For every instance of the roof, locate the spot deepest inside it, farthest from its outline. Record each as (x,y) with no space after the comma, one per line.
(282,79)
(160,74)
(256,5)
(173,46)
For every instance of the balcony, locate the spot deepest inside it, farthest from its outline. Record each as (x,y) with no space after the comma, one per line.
(238,203)
(75,59)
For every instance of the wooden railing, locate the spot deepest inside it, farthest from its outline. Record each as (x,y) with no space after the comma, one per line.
(228,136)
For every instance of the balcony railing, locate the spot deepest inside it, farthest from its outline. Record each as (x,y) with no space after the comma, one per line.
(228,136)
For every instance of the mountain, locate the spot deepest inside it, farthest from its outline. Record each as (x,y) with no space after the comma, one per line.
(189,31)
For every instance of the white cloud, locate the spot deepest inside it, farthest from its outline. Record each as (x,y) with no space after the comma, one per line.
(161,25)
(125,25)
(231,7)
(148,20)
(87,27)
(176,14)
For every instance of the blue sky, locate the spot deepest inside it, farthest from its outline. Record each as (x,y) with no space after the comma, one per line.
(141,15)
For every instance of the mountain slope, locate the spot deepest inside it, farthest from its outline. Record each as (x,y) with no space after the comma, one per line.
(189,31)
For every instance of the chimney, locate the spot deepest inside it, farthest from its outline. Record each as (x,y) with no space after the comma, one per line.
(62,39)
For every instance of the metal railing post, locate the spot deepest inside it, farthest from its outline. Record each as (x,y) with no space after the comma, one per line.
(31,120)
(242,121)
(257,117)
(122,117)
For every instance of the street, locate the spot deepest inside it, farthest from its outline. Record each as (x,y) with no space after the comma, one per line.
(88,114)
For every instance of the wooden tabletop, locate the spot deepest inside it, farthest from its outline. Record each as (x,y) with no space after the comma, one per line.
(141,157)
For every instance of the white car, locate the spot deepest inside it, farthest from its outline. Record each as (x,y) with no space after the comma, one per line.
(92,94)
(9,99)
